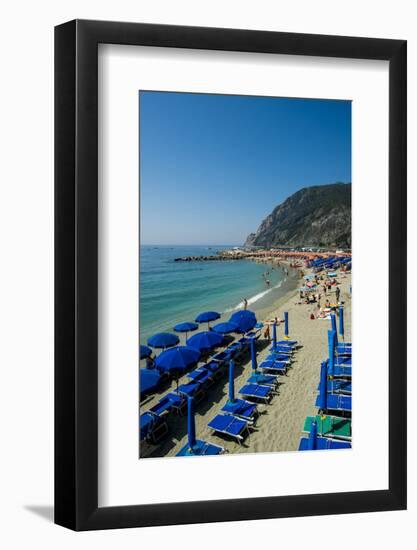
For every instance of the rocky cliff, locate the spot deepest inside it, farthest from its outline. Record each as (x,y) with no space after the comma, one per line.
(314,216)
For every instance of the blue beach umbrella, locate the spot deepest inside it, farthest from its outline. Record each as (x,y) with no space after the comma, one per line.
(244,319)
(163,340)
(225,328)
(333,320)
(186,327)
(331,337)
(148,380)
(207,316)
(322,397)
(177,359)
(341,323)
(145,352)
(253,354)
(231,382)
(312,438)
(205,340)
(192,441)
(274,334)
(286,324)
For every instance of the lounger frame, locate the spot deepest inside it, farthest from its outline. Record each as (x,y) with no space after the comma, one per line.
(76,274)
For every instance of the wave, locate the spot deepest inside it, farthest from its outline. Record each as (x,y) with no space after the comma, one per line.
(254,298)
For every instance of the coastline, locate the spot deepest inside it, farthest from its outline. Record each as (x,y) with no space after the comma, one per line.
(280,423)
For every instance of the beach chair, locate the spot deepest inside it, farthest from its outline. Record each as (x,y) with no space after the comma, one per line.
(284,345)
(242,409)
(330,426)
(152,427)
(339,371)
(257,392)
(282,357)
(203,376)
(335,402)
(271,366)
(201,448)
(263,379)
(170,402)
(338,385)
(224,356)
(232,426)
(315,442)
(192,389)
(216,368)
(323,444)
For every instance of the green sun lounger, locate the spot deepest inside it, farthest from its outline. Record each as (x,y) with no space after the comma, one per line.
(330,426)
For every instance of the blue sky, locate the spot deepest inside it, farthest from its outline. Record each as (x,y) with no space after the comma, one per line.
(213,166)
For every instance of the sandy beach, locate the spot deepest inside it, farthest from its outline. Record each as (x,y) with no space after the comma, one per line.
(279,425)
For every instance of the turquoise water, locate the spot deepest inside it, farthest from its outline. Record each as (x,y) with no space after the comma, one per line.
(173,292)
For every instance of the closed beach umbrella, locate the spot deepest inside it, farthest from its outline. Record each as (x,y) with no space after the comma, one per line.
(207,316)
(312,438)
(331,336)
(225,328)
(186,327)
(231,382)
(205,340)
(341,323)
(148,380)
(322,398)
(274,334)
(191,424)
(253,354)
(163,340)
(245,320)
(333,320)
(145,352)
(177,359)
(286,332)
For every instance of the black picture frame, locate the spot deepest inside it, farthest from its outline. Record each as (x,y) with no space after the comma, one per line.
(76,271)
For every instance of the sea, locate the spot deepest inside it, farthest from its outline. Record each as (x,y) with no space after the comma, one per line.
(172,292)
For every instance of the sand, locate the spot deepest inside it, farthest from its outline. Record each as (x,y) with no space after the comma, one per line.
(279,425)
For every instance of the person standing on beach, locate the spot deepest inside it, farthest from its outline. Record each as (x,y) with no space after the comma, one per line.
(245,303)
(267,334)
(337,294)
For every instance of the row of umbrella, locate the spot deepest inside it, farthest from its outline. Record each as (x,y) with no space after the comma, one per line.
(240,322)
(176,359)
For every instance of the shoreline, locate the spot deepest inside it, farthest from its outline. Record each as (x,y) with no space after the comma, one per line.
(280,423)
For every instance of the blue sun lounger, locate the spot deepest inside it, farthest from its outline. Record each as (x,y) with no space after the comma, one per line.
(170,402)
(201,448)
(335,402)
(288,345)
(201,375)
(216,368)
(279,357)
(342,371)
(224,356)
(241,408)
(274,366)
(343,360)
(331,401)
(192,389)
(152,427)
(232,426)
(318,443)
(256,391)
(339,385)
(322,444)
(263,379)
